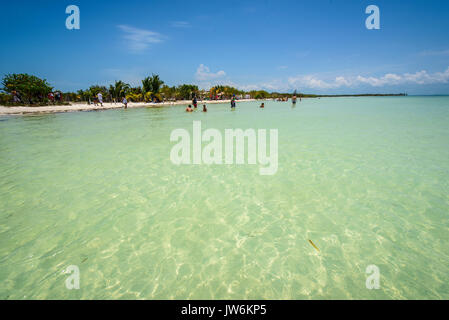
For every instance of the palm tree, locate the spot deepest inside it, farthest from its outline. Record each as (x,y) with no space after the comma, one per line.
(156,83)
(119,89)
(147,88)
(151,86)
(85,95)
(168,92)
(94,90)
(111,92)
(147,85)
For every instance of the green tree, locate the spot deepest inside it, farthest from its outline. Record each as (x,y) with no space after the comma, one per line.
(119,89)
(4,98)
(156,83)
(84,95)
(259,94)
(30,89)
(70,96)
(94,90)
(168,92)
(151,86)
(186,91)
(136,90)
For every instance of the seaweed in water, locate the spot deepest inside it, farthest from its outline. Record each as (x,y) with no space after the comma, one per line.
(313,244)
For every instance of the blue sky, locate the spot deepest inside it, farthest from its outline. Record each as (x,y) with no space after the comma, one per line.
(315,46)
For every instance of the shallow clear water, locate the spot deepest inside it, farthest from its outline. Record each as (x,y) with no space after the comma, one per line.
(366,179)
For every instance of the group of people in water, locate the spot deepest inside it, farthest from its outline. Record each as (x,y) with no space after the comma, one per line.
(99,100)
(195,106)
(233,104)
(190,109)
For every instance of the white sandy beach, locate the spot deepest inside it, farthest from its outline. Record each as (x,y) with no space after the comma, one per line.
(106,106)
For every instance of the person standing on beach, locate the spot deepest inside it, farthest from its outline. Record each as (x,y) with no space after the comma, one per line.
(15,97)
(100,98)
(125,102)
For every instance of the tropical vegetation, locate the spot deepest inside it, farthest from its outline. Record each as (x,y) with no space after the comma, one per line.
(31,90)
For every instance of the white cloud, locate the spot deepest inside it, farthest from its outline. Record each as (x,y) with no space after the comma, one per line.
(139,39)
(421,78)
(203,74)
(315,82)
(180,24)
(274,85)
(209,84)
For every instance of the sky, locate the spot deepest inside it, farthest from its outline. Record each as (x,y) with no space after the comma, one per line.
(313,46)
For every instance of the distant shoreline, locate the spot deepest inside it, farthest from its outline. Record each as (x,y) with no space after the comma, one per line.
(353,95)
(77,107)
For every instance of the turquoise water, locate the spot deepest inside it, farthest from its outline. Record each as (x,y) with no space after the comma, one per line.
(366,179)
